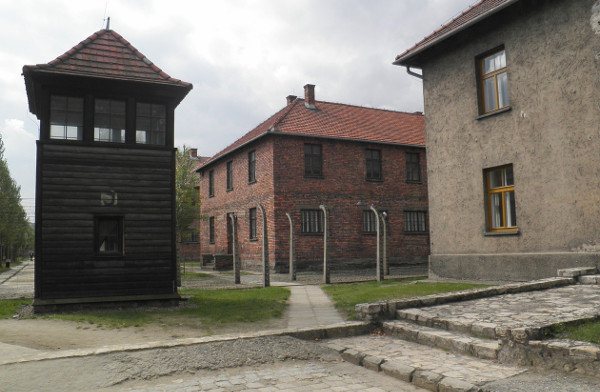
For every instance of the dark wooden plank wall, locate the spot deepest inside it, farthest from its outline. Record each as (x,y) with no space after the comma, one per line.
(71,181)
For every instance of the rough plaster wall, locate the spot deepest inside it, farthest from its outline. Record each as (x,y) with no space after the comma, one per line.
(551,135)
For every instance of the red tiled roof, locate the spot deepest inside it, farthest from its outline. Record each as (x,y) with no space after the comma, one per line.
(469,17)
(337,121)
(106,54)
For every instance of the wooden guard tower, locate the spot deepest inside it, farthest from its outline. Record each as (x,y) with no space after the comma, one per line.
(105,191)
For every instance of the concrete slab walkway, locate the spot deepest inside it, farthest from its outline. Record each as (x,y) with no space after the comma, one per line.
(310,307)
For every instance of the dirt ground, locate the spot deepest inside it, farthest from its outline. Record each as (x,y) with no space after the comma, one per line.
(50,335)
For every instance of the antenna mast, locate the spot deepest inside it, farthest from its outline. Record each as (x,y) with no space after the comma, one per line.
(107,23)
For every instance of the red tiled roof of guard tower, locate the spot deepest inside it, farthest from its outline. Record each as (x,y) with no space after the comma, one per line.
(473,14)
(337,121)
(106,54)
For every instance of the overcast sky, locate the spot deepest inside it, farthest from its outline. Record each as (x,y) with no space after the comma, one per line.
(242,56)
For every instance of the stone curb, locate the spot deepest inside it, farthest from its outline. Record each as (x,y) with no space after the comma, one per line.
(419,377)
(339,330)
(386,310)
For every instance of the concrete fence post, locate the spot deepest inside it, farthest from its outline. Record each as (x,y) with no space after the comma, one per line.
(386,266)
(378,263)
(236,256)
(326,275)
(292,249)
(265,249)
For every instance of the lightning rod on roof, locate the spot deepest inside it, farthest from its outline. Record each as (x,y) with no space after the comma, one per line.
(107,23)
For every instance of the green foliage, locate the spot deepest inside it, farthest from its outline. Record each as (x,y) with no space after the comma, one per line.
(346,296)
(187,197)
(16,234)
(206,309)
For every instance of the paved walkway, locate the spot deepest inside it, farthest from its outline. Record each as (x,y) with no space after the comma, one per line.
(17,282)
(310,307)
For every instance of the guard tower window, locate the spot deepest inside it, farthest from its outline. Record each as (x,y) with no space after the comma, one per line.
(109,236)
(109,121)
(66,117)
(151,120)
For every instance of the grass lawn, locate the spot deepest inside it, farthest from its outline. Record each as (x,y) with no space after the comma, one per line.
(204,309)
(587,331)
(346,296)
(9,307)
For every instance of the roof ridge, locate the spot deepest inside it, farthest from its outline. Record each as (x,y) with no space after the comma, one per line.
(289,108)
(366,107)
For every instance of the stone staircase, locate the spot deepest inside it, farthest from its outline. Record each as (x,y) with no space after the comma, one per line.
(477,337)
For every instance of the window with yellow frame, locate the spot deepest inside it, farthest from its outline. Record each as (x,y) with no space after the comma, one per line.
(493,82)
(500,189)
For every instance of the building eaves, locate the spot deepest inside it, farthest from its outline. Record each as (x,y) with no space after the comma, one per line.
(472,16)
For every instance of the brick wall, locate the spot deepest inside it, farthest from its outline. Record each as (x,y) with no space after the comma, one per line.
(282,187)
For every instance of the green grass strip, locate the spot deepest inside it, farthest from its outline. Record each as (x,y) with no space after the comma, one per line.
(346,296)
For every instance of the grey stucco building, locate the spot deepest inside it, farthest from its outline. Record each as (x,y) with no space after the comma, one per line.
(512,117)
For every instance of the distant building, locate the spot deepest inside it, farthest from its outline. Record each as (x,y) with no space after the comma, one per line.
(512,111)
(105,208)
(313,153)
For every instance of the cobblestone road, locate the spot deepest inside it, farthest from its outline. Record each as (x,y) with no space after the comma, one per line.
(282,377)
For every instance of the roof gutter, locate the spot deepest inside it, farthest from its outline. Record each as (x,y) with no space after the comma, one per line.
(402,61)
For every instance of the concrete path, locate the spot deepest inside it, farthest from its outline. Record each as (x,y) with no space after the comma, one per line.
(310,307)
(17,282)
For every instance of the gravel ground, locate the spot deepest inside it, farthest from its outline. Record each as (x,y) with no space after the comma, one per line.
(104,371)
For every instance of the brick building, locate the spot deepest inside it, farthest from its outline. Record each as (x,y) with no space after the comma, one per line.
(313,153)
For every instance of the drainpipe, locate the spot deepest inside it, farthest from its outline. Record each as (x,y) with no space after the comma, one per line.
(413,73)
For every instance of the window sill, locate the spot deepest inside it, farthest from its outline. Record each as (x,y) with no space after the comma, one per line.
(253,239)
(501,233)
(416,233)
(495,112)
(315,177)
(374,179)
(229,190)
(369,233)
(312,234)
(414,181)
(210,196)
(251,182)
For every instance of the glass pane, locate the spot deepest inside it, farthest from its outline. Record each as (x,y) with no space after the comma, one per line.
(495,178)
(501,60)
(496,206)
(489,94)
(488,65)
(511,216)
(140,137)
(108,235)
(508,176)
(57,132)
(502,90)
(74,133)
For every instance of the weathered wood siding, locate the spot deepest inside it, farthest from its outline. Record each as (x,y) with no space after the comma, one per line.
(70,180)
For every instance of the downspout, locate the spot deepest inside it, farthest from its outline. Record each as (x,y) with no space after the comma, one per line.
(413,73)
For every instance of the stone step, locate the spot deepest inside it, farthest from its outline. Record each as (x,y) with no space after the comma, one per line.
(575,272)
(456,342)
(589,279)
(427,367)
(480,329)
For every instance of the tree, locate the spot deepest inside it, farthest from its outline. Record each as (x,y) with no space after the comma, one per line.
(187,198)
(16,234)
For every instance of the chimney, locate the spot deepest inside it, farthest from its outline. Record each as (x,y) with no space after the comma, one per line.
(194,152)
(290,98)
(309,96)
